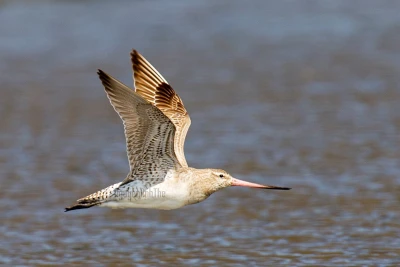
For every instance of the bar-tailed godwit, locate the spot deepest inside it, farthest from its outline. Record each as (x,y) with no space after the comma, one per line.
(155,123)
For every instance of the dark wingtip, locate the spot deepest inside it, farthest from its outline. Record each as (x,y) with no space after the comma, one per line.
(135,58)
(104,78)
(100,72)
(134,52)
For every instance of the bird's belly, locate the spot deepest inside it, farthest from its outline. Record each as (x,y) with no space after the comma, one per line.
(162,196)
(165,204)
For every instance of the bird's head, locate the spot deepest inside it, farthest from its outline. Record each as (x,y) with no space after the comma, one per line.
(223,179)
(212,180)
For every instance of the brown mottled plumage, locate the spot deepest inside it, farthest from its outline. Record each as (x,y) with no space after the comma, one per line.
(155,89)
(155,123)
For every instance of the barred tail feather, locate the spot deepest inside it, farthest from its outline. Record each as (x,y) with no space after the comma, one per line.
(81,206)
(94,199)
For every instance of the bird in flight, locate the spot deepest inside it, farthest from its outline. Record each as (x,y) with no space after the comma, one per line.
(155,123)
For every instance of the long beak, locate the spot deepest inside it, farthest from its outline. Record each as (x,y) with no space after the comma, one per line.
(237,182)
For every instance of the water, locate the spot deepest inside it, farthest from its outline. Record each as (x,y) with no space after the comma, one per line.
(302,94)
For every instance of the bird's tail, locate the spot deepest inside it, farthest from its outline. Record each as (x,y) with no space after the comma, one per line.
(94,199)
(81,206)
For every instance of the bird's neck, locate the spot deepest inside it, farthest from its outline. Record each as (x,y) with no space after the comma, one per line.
(198,184)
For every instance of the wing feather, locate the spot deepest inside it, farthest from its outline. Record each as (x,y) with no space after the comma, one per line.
(149,133)
(150,84)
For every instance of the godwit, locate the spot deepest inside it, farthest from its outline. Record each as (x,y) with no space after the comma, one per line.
(155,123)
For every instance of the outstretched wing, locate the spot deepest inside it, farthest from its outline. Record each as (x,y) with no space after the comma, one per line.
(149,133)
(154,88)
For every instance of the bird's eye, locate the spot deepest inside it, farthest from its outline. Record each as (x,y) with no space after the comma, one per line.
(221,175)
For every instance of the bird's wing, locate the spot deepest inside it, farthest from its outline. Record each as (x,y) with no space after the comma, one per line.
(154,88)
(149,133)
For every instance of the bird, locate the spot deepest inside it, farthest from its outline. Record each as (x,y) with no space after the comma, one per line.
(155,125)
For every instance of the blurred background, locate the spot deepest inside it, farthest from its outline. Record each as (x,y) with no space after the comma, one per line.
(302,94)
